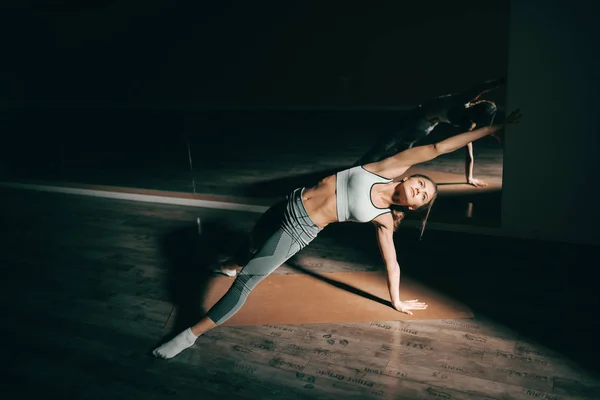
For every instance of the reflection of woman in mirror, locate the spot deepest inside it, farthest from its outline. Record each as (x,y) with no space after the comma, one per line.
(462,110)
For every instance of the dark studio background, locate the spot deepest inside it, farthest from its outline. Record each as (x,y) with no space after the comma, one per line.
(112,92)
(190,55)
(132,81)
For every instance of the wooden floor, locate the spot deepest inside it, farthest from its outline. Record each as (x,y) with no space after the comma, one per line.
(90,286)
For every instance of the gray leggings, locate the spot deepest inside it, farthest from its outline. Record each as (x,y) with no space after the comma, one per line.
(292,233)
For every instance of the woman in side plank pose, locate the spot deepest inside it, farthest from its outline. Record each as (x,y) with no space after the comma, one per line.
(360,194)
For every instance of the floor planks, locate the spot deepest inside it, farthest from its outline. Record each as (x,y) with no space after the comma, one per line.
(89,290)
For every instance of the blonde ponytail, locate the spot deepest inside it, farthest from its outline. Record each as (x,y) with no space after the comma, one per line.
(424,220)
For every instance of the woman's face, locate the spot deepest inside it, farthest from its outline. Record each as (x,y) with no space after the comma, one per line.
(415,192)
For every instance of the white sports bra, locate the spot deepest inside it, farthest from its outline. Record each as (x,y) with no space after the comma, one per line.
(353,195)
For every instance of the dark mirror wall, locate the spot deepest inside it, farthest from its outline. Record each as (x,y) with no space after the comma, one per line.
(233,98)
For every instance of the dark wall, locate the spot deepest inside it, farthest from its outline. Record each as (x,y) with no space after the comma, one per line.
(550,160)
(112,92)
(148,53)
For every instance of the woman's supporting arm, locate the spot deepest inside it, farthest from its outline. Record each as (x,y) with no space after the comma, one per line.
(385,239)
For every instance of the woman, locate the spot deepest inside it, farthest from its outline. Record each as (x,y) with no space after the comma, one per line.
(361,194)
(464,111)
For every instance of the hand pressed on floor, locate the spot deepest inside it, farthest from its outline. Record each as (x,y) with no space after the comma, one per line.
(406,306)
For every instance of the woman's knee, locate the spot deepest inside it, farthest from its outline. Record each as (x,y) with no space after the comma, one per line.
(245,283)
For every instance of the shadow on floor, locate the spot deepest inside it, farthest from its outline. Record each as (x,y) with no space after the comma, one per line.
(545,291)
(295,265)
(191,257)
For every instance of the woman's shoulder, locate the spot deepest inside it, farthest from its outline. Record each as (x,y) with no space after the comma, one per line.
(372,170)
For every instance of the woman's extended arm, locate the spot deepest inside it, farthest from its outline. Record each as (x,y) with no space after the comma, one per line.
(385,239)
(397,165)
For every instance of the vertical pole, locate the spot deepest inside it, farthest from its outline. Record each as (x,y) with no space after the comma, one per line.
(191,166)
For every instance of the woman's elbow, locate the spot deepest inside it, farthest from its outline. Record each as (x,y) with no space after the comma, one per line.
(438,149)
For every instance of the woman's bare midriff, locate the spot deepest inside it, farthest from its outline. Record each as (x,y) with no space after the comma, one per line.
(320,202)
